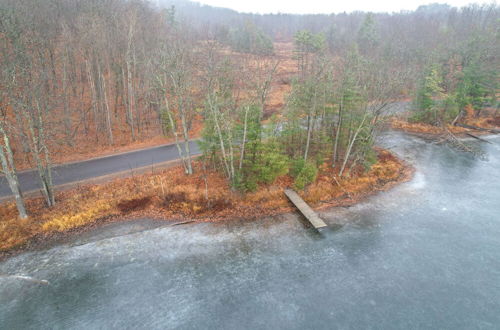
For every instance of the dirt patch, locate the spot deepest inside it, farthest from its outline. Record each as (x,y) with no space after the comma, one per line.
(134,204)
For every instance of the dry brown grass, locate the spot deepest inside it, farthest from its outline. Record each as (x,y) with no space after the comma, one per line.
(488,119)
(169,194)
(421,128)
(494,121)
(485,122)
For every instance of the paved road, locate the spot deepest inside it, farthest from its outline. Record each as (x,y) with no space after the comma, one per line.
(103,166)
(98,167)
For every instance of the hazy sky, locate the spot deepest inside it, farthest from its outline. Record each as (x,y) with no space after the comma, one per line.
(326,6)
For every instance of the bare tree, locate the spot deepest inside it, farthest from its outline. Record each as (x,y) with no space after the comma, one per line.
(174,77)
(9,170)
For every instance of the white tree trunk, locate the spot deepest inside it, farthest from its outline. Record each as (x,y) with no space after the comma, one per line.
(8,168)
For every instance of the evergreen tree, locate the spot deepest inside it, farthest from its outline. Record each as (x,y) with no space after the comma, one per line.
(368,37)
(250,39)
(428,97)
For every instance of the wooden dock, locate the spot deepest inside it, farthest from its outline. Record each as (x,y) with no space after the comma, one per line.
(302,206)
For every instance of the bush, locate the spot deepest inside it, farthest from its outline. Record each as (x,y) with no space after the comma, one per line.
(267,165)
(245,182)
(370,158)
(297,166)
(304,173)
(272,165)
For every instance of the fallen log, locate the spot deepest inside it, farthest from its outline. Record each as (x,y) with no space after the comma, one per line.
(491,130)
(460,145)
(478,138)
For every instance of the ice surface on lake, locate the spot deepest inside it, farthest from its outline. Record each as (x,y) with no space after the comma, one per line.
(424,255)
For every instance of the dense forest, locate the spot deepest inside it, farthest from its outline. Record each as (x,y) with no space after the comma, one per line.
(93,73)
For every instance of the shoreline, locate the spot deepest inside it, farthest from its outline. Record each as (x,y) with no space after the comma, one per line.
(427,131)
(46,240)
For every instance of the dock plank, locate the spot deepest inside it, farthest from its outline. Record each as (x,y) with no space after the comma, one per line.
(305,209)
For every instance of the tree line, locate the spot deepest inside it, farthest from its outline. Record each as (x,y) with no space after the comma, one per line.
(96,68)
(89,69)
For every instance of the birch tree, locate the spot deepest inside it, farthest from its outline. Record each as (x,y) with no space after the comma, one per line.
(8,169)
(29,88)
(174,81)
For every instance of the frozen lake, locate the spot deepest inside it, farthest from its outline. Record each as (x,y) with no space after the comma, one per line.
(425,255)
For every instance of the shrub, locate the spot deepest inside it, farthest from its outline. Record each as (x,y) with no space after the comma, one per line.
(370,159)
(304,173)
(269,164)
(245,182)
(272,165)
(297,166)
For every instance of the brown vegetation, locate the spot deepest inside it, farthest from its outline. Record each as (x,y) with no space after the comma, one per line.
(421,128)
(151,135)
(487,121)
(495,121)
(84,79)
(170,194)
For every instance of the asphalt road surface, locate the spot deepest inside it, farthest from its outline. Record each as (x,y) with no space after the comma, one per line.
(94,168)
